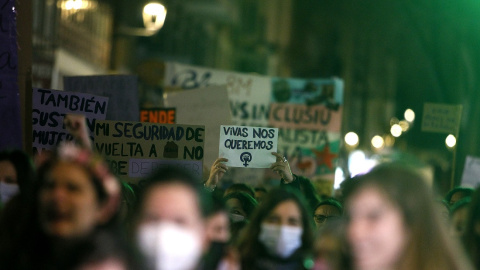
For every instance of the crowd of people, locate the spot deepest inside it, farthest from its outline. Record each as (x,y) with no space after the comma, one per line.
(65,210)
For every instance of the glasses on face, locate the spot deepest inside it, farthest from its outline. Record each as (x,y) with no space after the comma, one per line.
(323,218)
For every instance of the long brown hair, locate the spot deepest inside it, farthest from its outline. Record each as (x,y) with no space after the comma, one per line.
(429,247)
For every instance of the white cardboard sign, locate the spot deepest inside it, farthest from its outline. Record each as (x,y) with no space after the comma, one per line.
(248,147)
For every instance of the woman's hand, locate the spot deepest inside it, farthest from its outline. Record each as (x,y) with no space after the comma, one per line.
(217,171)
(282,167)
(77,126)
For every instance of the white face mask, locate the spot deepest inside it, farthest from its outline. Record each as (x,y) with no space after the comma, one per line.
(170,246)
(281,241)
(7,191)
(236,218)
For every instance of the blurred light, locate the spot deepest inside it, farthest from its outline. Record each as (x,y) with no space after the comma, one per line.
(409,115)
(377,142)
(450,141)
(393,121)
(358,163)
(154,15)
(404,125)
(389,140)
(76,4)
(339,177)
(396,130)
(351,138)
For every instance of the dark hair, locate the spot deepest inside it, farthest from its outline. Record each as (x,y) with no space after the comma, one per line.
(23,167)
(248,202)
(250,247)
(430,246)
(176,175)
(465,190)
(330,201)
(240,187)
(471,237)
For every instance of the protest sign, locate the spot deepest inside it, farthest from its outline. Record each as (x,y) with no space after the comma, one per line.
(441,118)
(249,95)
(11,135)
(134,149)
(158,115)
(471,172)
(250,147)
(122,91)
(50,107)
(308,114)
(207,106)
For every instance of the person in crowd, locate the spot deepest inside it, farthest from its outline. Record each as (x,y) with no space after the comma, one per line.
(240,205)
(279,235)
(327,210)
(260,193)
(170,224)
(217,171)
(290,180)
(444,209)
(240,187)
(471,235)
(330,249)
(458,216)
(73,197)
(457,194)
(16,174)
(392,223)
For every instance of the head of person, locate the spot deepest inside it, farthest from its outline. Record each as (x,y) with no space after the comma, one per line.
(280,227)
(16,174)
(394,224)
(240,205)
(458,216)
(260,193)
(170,221)
(240,187)
(458,193)
(217,222)
(75,192)
(326,210)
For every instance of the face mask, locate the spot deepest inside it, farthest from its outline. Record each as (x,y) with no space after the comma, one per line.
(170,246)
(7,191)
(236,218)
(281,241)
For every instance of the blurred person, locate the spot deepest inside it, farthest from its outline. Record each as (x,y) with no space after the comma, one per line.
(393,223)
(170,224)
(16,174)
(457,193)
(74,196)
(458,216)
(260,193)
(330,248)
(290,180)
(326,210)
(240,187)
(444,209)
(279,235)
(471,235)
(240,205)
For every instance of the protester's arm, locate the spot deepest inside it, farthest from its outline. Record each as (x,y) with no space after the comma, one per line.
(77,126)
(217,171)
(282,168)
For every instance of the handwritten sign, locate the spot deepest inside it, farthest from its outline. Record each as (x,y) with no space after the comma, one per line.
(441,118)
(250,147)
(130,147)
(471,172)
(207,106)
(249,95)
(49,109)
(11,134)
(122,91)
(296,116)
(158,115)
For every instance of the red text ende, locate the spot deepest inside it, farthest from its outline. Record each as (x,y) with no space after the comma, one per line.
(161,116)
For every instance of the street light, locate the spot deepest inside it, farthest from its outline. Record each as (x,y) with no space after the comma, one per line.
(154,15)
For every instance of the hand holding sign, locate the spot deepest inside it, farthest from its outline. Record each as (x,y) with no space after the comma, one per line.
(76,125)
(282,167)
(216,172)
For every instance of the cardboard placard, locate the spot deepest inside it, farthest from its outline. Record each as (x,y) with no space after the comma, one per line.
(471,172)
(158,115)
(250,147)
(441,118)
(130,147)
(49,109)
